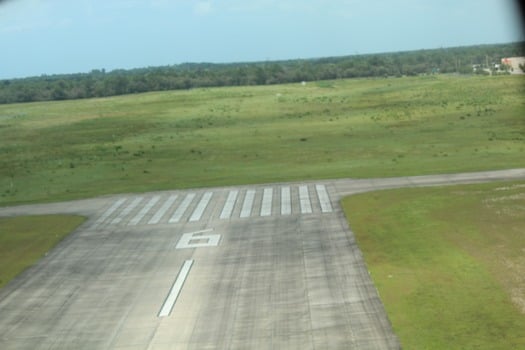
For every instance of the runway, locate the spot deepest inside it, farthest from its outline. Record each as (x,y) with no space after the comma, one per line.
(271,266)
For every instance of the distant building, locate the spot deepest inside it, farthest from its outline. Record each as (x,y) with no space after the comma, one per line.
(514,64)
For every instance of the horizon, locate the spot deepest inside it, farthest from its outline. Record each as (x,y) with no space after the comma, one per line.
(118,34)
(106,71)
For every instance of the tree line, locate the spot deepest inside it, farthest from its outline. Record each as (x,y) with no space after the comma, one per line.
(99,83)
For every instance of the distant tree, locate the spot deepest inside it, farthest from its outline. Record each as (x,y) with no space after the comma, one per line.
(59,90)
(98,82)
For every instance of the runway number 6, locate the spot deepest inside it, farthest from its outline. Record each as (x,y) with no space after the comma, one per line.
(198,239)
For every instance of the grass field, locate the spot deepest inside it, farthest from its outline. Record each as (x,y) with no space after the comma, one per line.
(25,239)
(448,262)
(230,136)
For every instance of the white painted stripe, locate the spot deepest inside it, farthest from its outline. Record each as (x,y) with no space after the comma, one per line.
(182,208)
(248,203)
(286,203)
(201,207)
(175,289)
(126,210)
(324,200)
(304,200)
(266,207)
(109,211)
(160,213)
(228,206)
(144,211)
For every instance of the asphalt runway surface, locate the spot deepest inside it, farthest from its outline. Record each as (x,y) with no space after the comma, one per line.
(251,267)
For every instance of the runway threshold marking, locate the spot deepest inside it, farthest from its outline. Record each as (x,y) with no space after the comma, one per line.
(286,204)
(109,211)
(324,199)
(229,205)
(160,213)
(126,210)
(201,207)
(125,206)
(182,208)
(304,200)
(266,207)
(175,289)
(248,203)
(144,211)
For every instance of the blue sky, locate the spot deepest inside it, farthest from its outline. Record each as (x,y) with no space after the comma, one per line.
(68,36)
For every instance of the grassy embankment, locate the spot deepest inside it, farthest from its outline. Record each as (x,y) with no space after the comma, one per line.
(25,239)
(449,262)
(230,136)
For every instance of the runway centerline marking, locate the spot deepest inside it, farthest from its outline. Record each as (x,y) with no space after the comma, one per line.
(229,205)
(175,289)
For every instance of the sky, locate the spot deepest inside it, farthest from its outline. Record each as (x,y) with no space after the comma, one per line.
(73,36)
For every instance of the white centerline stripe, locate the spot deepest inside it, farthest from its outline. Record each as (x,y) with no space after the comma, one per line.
(228,206)
(144,211)
(109,211)
(286,204)
(182,208)
(127,210)
(247,205)
(201,207)
(175,289)
(266,207)
(324,200)
(160,213)
(304,200)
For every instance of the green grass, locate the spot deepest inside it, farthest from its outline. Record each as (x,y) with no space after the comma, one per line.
(25,239)
(230,136)
(448,262)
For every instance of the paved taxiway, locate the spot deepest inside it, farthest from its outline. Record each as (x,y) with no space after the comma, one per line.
(253,267)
